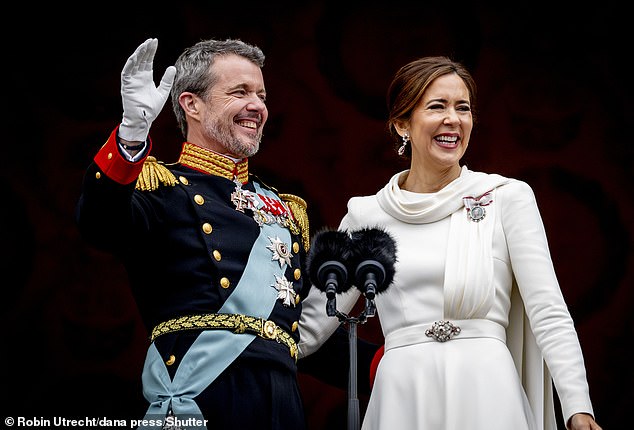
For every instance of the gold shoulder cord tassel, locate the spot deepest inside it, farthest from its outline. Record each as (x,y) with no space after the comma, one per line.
(298,206)
(153,175)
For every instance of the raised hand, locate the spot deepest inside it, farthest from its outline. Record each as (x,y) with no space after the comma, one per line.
(142,99)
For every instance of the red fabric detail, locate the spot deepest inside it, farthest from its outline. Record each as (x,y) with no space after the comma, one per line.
(375,363)
(114,165)
(272,206)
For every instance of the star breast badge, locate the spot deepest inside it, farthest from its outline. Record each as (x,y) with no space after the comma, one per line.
(281,252)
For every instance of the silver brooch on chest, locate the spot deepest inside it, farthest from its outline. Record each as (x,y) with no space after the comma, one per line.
(475,206)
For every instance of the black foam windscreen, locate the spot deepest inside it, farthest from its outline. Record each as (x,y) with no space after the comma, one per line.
(327,259)
(373,257)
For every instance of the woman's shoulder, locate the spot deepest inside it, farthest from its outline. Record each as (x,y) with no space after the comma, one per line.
(515,192)
(516,186)
(358,206)
(362,201)
(361,210)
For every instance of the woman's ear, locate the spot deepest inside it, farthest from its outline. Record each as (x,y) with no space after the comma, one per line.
(401,127)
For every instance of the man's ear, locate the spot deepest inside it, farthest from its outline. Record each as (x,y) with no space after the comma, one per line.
(190,103)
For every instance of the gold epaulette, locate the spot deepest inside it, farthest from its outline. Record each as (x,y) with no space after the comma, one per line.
(153,175)
(298,206)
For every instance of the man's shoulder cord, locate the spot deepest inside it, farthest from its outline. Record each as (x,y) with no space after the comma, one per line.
(153,175)
(298,206)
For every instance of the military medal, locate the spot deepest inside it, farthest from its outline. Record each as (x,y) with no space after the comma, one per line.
(281,252)
(285,291)
(266,210)
(240,197)
(475,206)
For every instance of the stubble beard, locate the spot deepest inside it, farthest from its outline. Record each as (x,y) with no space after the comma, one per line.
(224,134)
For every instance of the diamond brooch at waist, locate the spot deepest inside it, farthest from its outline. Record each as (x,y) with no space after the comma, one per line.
(442,331)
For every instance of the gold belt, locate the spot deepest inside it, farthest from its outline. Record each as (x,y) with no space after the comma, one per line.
(266,329)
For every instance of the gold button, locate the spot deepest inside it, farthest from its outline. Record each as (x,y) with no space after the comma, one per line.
(294,326)
(224,283)
(183,180)
(297,274)
(297,299)
(199,199)
(171,360)
(217,255)
(109,155)
(98,175)
(295,247)
(207,228)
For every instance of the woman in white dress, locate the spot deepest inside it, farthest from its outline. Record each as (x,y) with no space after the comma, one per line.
(476,328)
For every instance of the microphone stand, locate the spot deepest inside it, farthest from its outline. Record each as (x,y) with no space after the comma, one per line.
(354,415)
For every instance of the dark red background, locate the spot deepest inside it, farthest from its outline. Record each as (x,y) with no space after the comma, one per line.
(555,109)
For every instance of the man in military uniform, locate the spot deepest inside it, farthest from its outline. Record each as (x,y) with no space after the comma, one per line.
(214,256)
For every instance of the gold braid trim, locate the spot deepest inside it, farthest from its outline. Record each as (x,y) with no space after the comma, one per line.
(237,323)
(207,161)
(153,175)
(298,206)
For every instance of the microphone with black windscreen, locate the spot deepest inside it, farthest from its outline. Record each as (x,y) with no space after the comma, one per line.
(326,265)
(373,256)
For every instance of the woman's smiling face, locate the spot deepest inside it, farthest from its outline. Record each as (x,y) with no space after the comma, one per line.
(440,126)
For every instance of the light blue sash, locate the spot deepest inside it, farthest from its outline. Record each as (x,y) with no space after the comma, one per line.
(214,350)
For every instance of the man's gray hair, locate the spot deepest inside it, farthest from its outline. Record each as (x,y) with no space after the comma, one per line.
(193,69)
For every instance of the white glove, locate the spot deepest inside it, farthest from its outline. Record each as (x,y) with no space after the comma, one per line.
(142,100)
